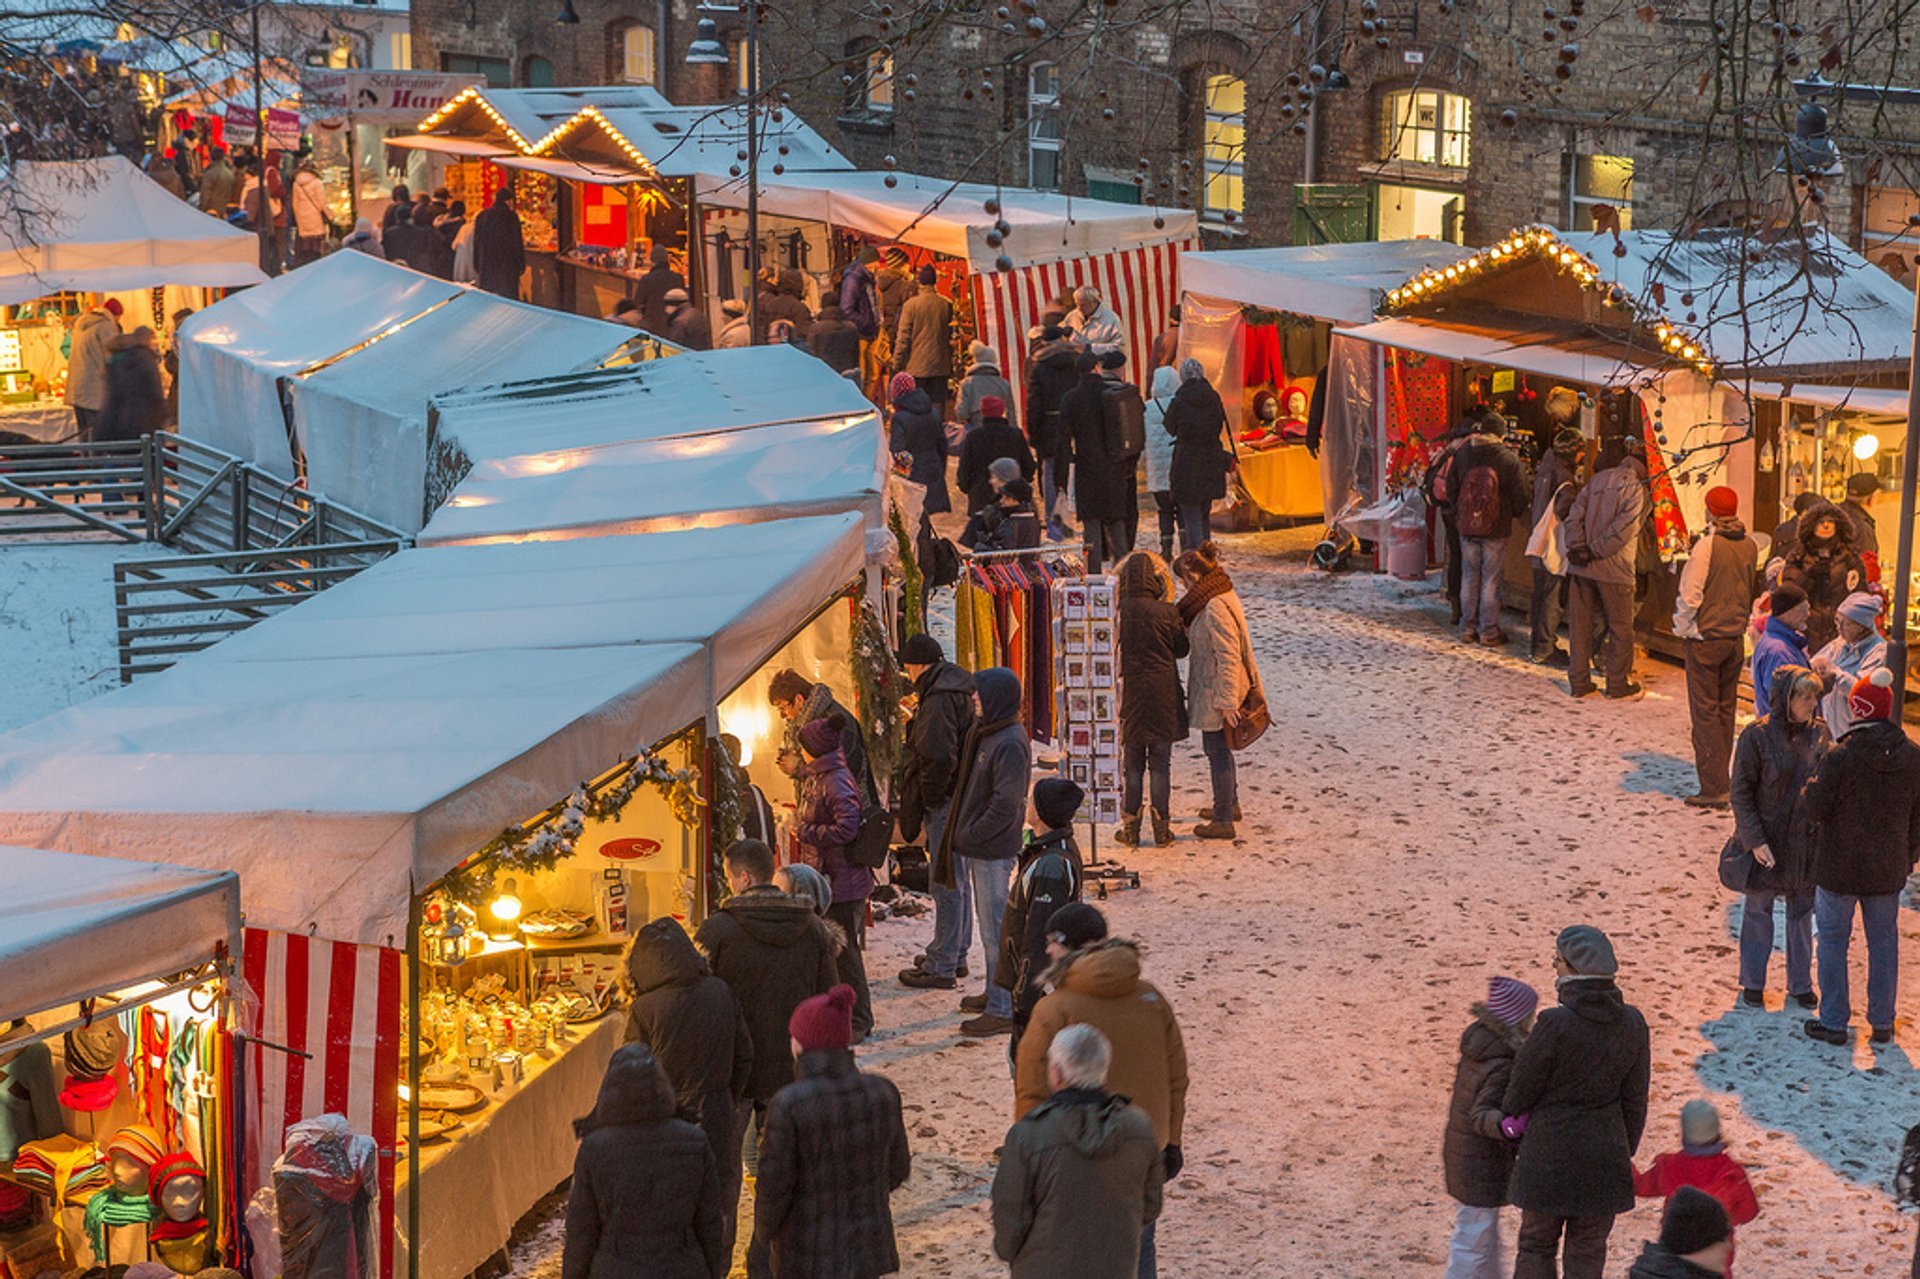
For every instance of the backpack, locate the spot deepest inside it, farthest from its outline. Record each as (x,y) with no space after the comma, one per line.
(1125,417)
(1477,510)
(869,848)
(1441,485)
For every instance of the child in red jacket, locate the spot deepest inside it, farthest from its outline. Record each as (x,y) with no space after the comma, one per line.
(1703,1162)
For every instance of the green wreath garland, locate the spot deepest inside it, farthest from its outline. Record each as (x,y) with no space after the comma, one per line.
(877,685)
(910,574)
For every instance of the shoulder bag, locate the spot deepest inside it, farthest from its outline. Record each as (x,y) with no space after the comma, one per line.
(1254,717)
(1737,866)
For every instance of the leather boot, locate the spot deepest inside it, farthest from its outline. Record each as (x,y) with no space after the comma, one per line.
(1162,829)
(1214,830)
(1166,549)
(1129,830)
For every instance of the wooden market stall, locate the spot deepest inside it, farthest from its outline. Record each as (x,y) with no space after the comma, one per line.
(1261,322)
(80,232)
(1690,343)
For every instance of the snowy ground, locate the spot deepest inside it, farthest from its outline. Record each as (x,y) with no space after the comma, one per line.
(56,622)
(1422,815)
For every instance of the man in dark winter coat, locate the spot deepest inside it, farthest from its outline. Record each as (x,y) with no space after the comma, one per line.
(499,252)
(1696,1240)
(691,1022)
(835,1150)
(786,299)
(1103,480)
(773,953)
(1046,877)
(1603,538)
(835,339)
(1772,763)
(1864,805)
(1197,478)
(995,437)
(859,297)
(923,343)
(1862,488)
(894,288)
(686,323)
(1080,1175)
(651,291)
(799,701)
(942,720)
(1475,1154)
(983,833)
(1577,1102)
(646,1196)
(1051,374)
(1490,489)
(1556,470)
(1711,615)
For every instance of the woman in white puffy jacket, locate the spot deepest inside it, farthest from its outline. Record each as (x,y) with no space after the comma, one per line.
(1159,455)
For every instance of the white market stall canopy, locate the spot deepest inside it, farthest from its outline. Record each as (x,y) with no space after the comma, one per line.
(707,437)
(101,226)
(361,421)
(952,218)
(345,754)
(73,926)
(235,354)
(1339,283)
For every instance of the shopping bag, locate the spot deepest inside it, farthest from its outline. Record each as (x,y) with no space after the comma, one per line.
(1548,541)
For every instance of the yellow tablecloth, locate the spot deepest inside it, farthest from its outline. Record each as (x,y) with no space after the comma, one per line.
(1284,480)
(476,1184)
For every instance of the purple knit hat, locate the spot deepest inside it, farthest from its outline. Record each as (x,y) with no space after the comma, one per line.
(1511,1001)
(820,736)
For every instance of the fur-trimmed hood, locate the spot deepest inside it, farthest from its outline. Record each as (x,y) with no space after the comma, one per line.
(1511,1036)
(1111,968)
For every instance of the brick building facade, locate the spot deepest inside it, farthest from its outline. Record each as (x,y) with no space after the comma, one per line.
(1446,124)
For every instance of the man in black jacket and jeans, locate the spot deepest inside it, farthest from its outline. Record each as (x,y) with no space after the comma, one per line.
(942,718)
(1489,490)
(1864,804)
(1577,1104)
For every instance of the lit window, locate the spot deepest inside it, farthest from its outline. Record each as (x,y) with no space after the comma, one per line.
(1886,238)
(402,49)
(1598,180)
(737,59)
(880,81)
(1043,127)
(1427,127)
(637,65)
(1224,146)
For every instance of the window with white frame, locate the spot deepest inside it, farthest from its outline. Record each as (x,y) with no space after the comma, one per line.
(1043,127)
(638,64)
(1594,180)
(1426,126)
(1223,147)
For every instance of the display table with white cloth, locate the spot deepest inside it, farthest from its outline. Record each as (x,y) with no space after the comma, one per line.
(42,421)
(487,1174)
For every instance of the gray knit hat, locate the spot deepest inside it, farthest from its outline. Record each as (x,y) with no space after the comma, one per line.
(1587,951)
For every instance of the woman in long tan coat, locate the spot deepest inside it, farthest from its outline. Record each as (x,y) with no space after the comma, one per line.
(1220,674)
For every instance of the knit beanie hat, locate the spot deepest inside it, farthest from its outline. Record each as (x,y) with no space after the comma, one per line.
(1568,440)
(1862,484)
(825,1021)
(1785,598)
(1694,1220)
(1862,607)
(1587,951)
(1699,1123)
(992,406)
(1078,924)
(980,353)
(178,1164)
(1511,1000)
(140,1142)
(1872,696)
(1114,359)
(1056,800)
(820,736)
(1722,502)
(928,275)
(868,256)
(92,1051)
(901,384)
(921,650)
(809,885)
(1004,470)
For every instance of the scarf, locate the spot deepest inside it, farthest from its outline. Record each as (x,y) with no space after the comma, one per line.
(1198,595)
(113,1208)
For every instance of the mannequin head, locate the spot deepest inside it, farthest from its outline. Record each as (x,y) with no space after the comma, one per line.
(179,1188)
(1294,403)
(131,1156)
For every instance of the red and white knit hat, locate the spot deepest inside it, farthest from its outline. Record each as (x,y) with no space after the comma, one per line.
(1872,696)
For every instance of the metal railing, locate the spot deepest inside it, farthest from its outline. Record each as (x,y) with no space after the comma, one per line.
(256,543)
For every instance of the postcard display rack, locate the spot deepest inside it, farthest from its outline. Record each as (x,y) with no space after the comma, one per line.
(1087,694)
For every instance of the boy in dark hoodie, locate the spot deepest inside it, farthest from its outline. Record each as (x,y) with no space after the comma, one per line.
(1477,1158)
(1046,877)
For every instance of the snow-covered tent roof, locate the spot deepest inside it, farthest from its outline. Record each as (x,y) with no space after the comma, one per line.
(345,754)
(951,217)
(520,119)
(1341,283)
(707,437)
(101,225)
(234,354)
(361,421)
(72,926)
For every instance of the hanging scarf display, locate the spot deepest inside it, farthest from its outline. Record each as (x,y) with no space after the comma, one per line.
(115,1208)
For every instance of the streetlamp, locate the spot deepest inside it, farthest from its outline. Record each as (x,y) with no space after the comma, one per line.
(707,51)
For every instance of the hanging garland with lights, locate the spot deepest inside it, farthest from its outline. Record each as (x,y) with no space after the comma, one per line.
(910,575)
(726,815)
(877,686)
(1543,244)
(541,845)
